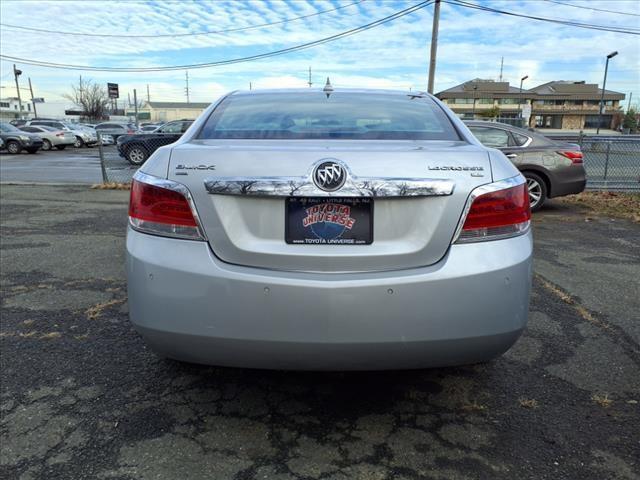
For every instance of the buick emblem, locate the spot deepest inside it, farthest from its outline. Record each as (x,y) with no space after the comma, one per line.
(330,176)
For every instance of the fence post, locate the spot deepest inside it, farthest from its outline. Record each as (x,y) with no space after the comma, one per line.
(101,152)
(606,165)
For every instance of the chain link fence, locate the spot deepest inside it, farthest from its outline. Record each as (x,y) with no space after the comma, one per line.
(612,163)
(120,161)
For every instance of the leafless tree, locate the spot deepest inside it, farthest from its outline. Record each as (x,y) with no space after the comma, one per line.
(89,96)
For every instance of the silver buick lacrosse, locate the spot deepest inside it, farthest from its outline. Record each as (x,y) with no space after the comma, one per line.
(329,229)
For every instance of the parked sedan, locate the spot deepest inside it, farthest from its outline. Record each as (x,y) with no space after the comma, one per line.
(150,127)
(15,140)
(552,169)
(329,230)
(51,137)
(137,148)
(104,137)
(84,137)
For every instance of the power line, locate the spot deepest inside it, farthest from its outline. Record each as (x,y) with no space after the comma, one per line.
(338,36)
(606,28)
(210,32)
(595,9)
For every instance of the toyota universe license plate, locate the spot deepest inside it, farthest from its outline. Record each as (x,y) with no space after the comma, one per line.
(336,221)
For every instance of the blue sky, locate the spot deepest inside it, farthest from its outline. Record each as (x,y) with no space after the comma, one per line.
(394,55)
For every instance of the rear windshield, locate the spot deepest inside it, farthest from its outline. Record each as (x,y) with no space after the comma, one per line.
(342,115)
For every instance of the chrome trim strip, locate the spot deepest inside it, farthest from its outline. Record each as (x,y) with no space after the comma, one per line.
(481,190)
(353,186)
(176,187)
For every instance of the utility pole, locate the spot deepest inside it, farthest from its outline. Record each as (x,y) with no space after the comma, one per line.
(35,112)
(135,105)
(187,87)
(148,96)
(250,86)
(16,74)
(629,104)
(434,46)
(501,65)
(129,99)
(309,82)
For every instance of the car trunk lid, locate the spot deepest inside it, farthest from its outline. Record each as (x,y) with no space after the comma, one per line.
(410,228)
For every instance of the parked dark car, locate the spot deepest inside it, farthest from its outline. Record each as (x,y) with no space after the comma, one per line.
(552,169)
(115,129)
(137,148)
(15,140)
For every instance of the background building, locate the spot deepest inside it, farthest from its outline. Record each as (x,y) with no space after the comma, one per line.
(10,109)
(561,104)
(167,111)
(572,105)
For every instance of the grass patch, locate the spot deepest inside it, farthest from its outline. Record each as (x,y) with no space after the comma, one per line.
(473,406)
(111,186)
(51,335)
(602,399)
(528,403)
(569,300)
(96,311)
(609,204)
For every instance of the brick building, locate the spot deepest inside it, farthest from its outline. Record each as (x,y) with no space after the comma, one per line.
(561,104)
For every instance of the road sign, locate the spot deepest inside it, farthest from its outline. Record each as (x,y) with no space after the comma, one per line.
(113,90)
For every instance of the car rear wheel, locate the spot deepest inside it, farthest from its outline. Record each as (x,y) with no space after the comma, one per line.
(13,147)
(46,145)
(78,143)
(137,155)
(537,190)
(59,147)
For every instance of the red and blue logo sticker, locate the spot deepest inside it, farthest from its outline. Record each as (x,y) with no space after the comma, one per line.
(345,221)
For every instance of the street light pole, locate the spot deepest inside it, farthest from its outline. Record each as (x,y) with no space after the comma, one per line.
(16,74)
(520,97)
(473,110)
(604,84)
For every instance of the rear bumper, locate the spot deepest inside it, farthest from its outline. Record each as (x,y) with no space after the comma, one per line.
(568,181)
(470,307)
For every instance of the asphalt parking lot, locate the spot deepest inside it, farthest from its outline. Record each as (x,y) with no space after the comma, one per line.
(81,396)
(73,165)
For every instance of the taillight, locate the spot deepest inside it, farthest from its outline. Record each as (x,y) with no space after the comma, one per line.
(496,213)
(162,207)
(573,155)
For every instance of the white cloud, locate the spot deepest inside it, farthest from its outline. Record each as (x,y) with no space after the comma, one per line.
(391,56)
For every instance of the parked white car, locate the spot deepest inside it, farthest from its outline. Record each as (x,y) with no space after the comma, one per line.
(51,137)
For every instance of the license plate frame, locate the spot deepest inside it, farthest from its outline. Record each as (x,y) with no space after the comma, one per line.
(333,221)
